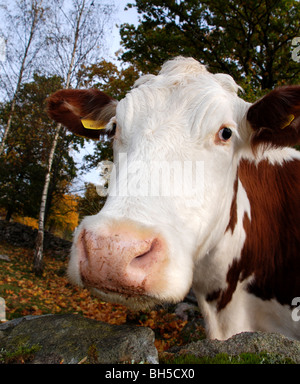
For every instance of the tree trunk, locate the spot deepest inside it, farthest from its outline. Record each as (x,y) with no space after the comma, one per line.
(38,265)
(39,245)
(9,213)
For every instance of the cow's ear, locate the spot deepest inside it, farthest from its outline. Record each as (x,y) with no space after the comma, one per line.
(83,112)
(275,119)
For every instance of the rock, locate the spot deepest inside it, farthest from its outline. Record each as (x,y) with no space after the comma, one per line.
(247,342)
(4,258)
(186,311)
(20,235)
(71,339)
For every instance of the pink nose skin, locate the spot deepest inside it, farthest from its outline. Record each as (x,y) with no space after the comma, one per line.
(122,261)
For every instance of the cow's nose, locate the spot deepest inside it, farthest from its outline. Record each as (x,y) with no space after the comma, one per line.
(126,262)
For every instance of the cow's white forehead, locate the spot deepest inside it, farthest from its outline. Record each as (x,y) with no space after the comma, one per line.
(183,93)
(187,70)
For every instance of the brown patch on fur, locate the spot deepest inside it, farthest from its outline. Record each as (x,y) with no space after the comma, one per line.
(275,119)
(69,106)
(233,209)
(213,295)
(271,250)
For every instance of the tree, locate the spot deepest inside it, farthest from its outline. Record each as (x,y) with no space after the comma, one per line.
(83,23)
(251,40)
(23,25)
(63,217)
(91,203)
(28,143)
(77,36)
(114,81)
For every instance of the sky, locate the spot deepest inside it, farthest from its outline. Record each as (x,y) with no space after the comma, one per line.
(130,16)
(113,42)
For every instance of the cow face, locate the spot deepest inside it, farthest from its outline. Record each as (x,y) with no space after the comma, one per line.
(178,138)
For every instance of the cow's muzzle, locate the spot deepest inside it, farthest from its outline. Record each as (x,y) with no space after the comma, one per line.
(126,259)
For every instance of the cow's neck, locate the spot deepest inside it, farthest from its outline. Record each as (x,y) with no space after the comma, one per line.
(250,243)
(216,257)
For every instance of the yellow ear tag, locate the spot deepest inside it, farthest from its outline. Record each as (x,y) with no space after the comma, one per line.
(290,119)
(91,124)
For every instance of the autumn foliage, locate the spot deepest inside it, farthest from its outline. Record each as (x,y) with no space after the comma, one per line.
(64,215)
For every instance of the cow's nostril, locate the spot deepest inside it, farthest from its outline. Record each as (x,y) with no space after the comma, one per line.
(147,252)
(147,258)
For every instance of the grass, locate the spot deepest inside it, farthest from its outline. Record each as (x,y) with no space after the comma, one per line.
(22,354)
(223,358)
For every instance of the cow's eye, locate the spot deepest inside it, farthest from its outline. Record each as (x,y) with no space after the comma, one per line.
(225,134)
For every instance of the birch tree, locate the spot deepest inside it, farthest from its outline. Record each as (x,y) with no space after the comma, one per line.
(76,36)
(22,22)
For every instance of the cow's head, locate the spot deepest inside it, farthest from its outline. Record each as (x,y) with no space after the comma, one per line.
(178,139)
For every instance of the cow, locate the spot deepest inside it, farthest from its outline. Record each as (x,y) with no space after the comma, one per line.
(235,239)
